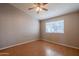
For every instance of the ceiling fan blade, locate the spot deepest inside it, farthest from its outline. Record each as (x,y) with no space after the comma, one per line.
(35,3)
(30,8)
(45,3)
(45,9)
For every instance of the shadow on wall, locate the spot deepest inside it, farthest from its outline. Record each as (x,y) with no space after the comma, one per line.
(16,26)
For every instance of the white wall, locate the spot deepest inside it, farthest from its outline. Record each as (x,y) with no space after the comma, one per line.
(70,37)
(16,26)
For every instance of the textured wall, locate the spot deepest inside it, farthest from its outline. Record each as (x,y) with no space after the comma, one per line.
(70,36)
(16,26)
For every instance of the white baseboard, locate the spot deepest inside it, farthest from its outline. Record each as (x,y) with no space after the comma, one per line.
(17,44)
(35,40)
(61,44)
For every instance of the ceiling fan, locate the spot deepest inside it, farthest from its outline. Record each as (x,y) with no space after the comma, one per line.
(39,7)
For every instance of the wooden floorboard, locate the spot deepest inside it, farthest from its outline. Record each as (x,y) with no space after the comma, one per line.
(40,48)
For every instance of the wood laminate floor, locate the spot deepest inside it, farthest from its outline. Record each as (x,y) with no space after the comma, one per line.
(40,48)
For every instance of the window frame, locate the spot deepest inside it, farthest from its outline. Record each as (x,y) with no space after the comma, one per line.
(53,22)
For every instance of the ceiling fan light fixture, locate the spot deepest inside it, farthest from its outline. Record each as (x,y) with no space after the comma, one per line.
(38,9)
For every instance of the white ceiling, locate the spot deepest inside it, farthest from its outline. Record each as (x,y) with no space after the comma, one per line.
(54,9)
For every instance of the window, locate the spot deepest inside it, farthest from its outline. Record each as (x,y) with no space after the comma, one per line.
(55,27)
